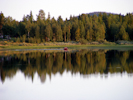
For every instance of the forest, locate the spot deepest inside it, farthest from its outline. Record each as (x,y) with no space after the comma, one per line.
(85,62)
(101,27)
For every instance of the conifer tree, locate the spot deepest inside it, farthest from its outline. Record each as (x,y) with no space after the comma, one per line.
(59,33)
(31,17)
(41,15)
(60,21)
(54,29)
(24,38)
(48,32)
(100,20)
(24,19)
(102,32)
(88,35)
(1,21)
(77,34)
(28,28)
(82,30)
(48,19)
(64,32)
(68,31)
(123,34)
(95,35)
(37,32)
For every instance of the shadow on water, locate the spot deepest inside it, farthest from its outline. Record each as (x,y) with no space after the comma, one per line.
(47,62)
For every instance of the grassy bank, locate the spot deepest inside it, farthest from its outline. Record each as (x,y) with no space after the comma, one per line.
(7,45)
(101,46)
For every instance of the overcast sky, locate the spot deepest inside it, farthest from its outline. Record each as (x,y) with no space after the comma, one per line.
(18,8)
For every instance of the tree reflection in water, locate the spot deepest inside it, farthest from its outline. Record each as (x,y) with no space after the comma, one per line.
(84,62)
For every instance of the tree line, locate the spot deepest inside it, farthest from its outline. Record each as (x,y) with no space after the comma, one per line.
(85,62)
(90,28)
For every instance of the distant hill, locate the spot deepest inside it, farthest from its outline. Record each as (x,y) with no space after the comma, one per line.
(97,13)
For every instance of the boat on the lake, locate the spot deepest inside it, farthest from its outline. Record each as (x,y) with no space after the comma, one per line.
(65,48)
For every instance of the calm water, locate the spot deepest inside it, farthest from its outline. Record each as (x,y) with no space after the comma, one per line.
(73,75)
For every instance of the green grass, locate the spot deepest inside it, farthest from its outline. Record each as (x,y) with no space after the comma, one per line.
(101,46)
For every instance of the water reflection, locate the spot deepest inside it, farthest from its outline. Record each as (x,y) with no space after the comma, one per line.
(85,62)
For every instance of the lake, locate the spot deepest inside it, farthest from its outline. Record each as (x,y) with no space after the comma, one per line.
(83,74)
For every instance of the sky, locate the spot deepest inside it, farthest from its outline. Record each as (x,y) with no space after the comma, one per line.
(64,8)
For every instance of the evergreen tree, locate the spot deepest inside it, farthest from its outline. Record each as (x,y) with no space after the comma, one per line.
(75,25)
(100,20)
(54,29)
(24,38)
(60,21)
(114,31)
(22,28)
(95,35)
(53,20)
(24,19)
(102,35)
(31,17)
(28,28)
(123,35)
(59,33)
(77,34)
(130,31)
(48,32)
(82,30)
(92,28)
(10,27)
(42,29)
(37,32)
(41,15)
(68,31)
(120,17)
(48,19)
(1,21)
(64,32)
(88,35)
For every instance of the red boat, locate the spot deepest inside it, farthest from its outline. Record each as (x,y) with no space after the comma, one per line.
(65,48)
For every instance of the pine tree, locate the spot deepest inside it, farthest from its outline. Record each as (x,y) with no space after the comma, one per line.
(64,32)
(24,38)
(41,15)
(68,31)
(48,19)
(100,20)
(91,33)
(21,28)
(77,34)
(123,34)
(31,17)
(120,18)
(95,35)
(1,21)
(130,31)
(88,35)
(37,32)
(28,27)
(102,32)
(24,19)
(60,21)
(54,29)
(53,20)
(59,33)
(48,32)
(42,29)
(114,31)
(82,30)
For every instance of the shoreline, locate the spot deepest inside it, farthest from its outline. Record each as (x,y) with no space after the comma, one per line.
(7,45)
(100,46)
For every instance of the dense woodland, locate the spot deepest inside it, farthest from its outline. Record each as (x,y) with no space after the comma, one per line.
(111,27)
(85,62)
